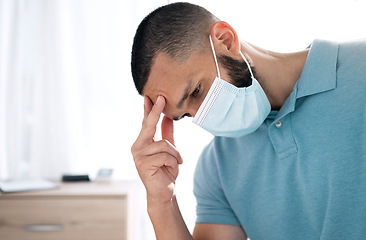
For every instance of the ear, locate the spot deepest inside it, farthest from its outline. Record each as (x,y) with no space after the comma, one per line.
(225,38)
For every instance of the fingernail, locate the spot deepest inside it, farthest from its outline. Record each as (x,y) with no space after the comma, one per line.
(158,100)
(145,101)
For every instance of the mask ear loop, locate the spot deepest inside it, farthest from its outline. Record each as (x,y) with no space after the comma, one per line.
(213,50)
(246,61)
(217,65)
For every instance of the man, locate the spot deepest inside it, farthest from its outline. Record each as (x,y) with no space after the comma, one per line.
(288,160)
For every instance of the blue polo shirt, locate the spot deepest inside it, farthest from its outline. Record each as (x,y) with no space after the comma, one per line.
(302,174)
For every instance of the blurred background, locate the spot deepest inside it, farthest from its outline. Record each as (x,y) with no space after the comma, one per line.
(67,99)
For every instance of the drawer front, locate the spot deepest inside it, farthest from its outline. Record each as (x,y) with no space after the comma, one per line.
(64,218)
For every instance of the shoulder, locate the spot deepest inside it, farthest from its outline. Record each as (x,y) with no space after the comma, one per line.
(222,158)
(353,48)
(217,150)
(209,187)
(214,156)
(351,72)
(209,157)
(352,59)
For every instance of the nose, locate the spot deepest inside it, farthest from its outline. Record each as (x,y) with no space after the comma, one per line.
(190,111)
(193,111)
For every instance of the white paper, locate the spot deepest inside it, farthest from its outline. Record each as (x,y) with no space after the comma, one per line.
(26,185)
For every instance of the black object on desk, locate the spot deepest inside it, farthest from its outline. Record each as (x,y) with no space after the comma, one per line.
(75,178)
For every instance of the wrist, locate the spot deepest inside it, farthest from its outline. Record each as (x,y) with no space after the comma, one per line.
(167,219)
(158,206)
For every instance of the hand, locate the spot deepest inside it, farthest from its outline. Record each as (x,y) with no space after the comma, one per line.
(157,162)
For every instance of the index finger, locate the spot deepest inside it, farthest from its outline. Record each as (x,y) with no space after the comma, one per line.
(149,127)
(147,107)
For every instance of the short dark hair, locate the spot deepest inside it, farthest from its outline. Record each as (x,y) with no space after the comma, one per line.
(176,29)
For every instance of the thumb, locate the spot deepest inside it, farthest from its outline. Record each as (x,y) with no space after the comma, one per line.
(167,130)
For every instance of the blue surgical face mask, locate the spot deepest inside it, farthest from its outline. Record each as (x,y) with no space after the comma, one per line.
(230,111)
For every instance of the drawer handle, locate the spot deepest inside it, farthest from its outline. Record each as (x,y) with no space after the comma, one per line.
(43,228)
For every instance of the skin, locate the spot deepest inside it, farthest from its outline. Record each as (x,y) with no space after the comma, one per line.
(158,162)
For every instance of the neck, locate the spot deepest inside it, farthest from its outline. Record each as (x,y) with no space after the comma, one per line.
(276,72)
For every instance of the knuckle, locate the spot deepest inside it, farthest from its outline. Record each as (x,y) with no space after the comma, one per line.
(134,149)
(138,163)
(165,144)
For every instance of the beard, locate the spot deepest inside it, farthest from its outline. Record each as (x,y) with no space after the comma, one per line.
(238,71)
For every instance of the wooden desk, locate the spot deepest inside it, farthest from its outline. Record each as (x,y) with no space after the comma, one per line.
(74,211)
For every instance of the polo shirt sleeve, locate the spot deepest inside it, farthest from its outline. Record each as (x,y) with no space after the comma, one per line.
(212,204)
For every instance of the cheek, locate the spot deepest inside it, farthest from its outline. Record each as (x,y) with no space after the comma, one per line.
(196,105)
(194,112)
(203,94)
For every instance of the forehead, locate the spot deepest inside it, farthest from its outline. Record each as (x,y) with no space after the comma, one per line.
(169,77)
(165,73)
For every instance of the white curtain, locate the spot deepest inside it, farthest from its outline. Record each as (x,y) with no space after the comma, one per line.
(67,100)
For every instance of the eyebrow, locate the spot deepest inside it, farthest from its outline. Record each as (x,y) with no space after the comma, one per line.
(185,95)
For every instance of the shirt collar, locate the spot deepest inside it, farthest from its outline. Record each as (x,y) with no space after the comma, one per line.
(319,72)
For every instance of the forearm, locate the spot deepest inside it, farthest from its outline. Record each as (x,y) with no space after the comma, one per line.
(167,221)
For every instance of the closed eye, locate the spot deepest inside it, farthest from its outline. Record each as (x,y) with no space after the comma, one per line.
(196,91)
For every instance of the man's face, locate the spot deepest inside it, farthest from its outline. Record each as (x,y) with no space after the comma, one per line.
(183,85)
